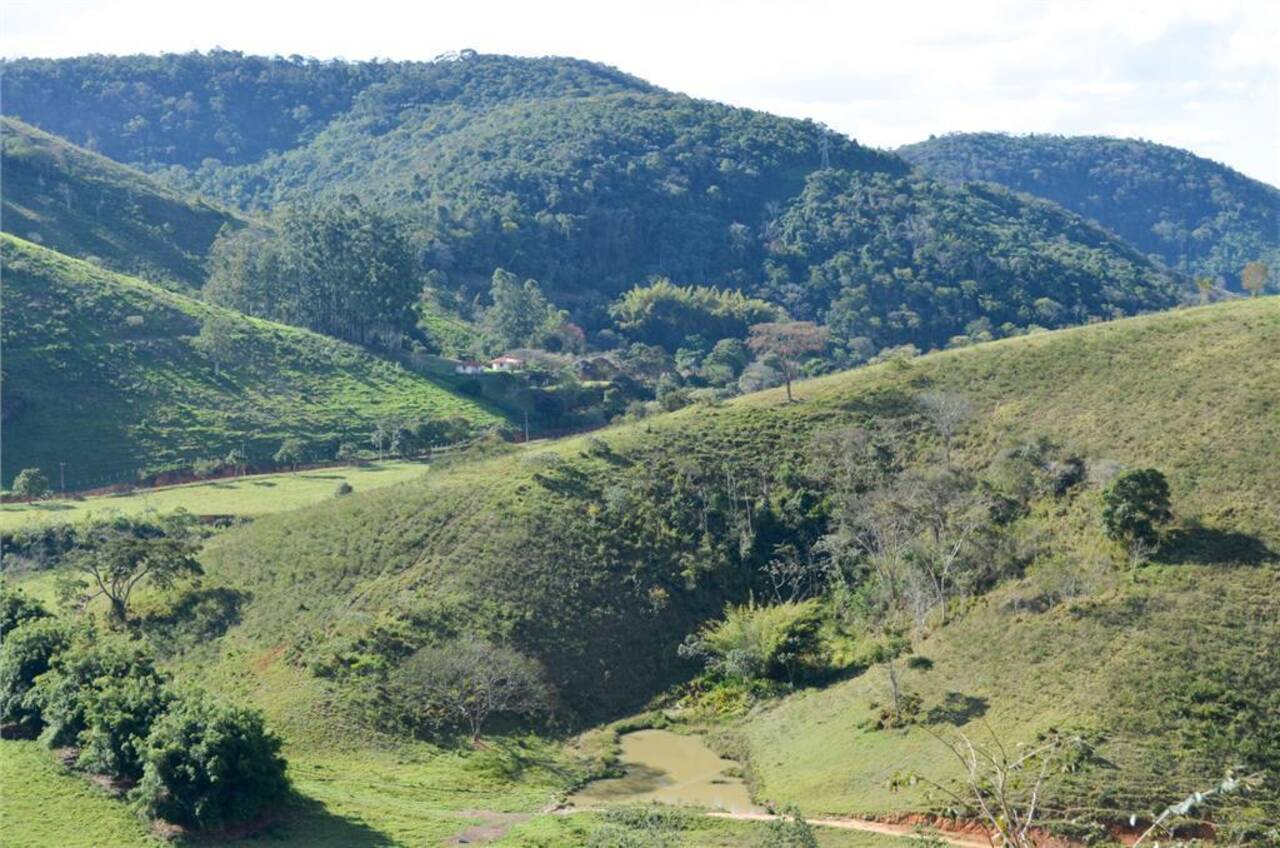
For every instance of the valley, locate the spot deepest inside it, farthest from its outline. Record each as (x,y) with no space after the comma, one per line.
(510,451)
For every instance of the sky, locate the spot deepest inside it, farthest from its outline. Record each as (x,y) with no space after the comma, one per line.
(1198,74)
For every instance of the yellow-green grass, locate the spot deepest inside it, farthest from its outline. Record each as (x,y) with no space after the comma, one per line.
(1192,392)
(254,495)
(103,379)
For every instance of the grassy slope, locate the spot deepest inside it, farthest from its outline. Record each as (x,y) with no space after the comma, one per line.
(1161,390)
(100,373)
(1192,392)
(85,205)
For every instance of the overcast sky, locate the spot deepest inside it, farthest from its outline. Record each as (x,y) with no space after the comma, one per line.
(1199,74)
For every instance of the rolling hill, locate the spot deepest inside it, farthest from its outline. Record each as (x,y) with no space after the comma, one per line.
(591,181)
(85,205)
(1198,216)
(597,555)
(101,374)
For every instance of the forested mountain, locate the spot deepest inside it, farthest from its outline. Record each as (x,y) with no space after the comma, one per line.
(1198,216)
(590,181)
(911,260)
(85,205)
(119,378)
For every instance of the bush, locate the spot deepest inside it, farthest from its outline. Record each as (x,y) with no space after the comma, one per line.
(344,489)
(755,642)
(208,765)
(466,683)
(104,699)
(27,653)
(17,609)
(789,830)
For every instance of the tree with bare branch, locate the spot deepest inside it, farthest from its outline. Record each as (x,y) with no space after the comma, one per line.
(789,341)
(1004,786)
(947,413)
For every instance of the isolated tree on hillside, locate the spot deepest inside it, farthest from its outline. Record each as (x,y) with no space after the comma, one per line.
(217,340)
(1205,285)
(118,564)
(292,451)
(947,413)
(31,484)
(789,341)
(1134,508)
(1254,277)
(469,681)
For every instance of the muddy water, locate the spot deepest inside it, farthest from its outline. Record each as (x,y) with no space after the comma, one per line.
(672,768)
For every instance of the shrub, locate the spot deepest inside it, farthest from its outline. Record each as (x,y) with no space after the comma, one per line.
(103,698)
(756,642)
(344,488)
(27,653)
(16,609)
(208,765)
(789,830)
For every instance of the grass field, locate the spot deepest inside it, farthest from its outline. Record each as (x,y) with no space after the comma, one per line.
(259,494)
(101,373)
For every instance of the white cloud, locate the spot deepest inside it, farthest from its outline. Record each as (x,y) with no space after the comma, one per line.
(1200,74)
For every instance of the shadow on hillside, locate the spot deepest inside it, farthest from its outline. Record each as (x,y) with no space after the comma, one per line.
(1207,546)
(956,709)
(301,821)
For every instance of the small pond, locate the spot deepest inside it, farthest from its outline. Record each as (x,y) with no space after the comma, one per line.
(671,768)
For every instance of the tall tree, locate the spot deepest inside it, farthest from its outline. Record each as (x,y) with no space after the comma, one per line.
(1254,277)
(789,341)
(217,340)
(340,268)
(115,566)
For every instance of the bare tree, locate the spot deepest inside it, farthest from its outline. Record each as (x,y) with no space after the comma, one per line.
(1004,787)
(947,413)
(1254,277)
(1228,786)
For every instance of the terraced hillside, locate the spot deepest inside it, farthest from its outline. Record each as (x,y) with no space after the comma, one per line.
(101,373)
(87,206)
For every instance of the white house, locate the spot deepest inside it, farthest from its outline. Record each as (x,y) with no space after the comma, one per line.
(507,363)
(469,366)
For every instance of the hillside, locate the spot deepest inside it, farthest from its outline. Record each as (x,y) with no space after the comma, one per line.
(85,205)
(101,374)
(1198,216)
(597,555)
(591,181)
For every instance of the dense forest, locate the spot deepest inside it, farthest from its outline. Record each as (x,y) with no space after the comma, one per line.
(1198,216)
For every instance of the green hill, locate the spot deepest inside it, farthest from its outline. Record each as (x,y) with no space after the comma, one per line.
(597,555)
(87,206)
(101,374)
(591,181)
(1198,216)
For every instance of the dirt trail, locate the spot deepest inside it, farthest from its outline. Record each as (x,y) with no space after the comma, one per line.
(866,825)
